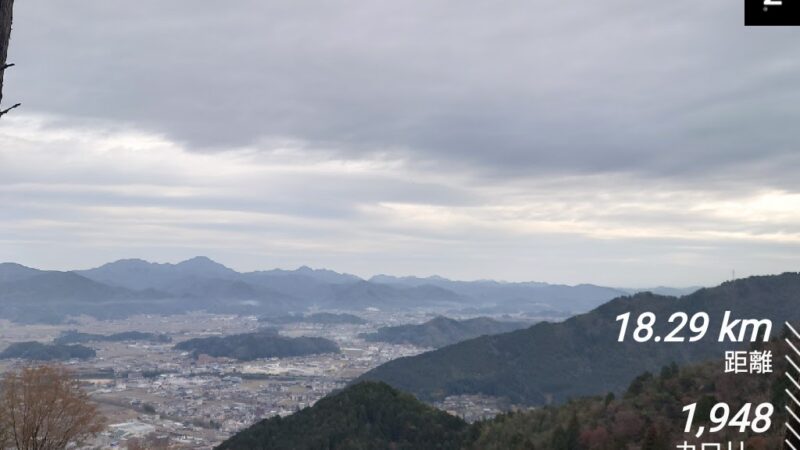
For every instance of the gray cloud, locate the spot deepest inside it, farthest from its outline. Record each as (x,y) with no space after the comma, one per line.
(509,88)
(614,142)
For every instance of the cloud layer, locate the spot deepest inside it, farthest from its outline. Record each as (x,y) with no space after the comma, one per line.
(619,142)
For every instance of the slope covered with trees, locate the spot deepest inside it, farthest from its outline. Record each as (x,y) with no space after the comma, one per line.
(263,344)
(648,415)
(551,362)
(441,331)
(365,416)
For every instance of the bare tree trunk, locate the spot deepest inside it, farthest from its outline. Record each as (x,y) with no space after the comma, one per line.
(6,16)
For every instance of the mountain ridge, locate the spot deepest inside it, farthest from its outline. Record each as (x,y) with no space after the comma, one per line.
(136,286)
(367,416)
(441,331)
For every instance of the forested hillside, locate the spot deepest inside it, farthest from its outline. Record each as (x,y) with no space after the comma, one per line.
(441,331)
(551,362)
(365,416)
(648,415)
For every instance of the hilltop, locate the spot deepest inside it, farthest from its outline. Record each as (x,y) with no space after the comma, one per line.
(263,344)
(441,331)
(365,416)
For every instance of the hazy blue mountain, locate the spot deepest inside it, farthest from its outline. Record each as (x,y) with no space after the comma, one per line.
(500,297)
(45,287)
(312,287)
(581,356)
(309,290)
(139,274)
(319,275)
(201,282)
(135,286)
(203,278)
(51,296)
(305,287)
(204,267)
(441,331)
(365,294)
(289,289)
(15,272)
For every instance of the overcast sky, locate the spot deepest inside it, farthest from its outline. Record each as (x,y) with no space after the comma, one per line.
(624,143)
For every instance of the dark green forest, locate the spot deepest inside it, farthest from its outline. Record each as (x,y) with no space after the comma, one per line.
(362,417)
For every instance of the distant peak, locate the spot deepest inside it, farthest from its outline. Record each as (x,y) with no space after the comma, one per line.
(203,263)
(15,265)
(327,275)
(131,261)
(200,261)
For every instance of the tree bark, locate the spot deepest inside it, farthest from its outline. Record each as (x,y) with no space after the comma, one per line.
(6,8)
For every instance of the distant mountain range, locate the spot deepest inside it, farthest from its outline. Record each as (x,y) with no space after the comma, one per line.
(441,331)
(134,286)
(581,297)
(550,362)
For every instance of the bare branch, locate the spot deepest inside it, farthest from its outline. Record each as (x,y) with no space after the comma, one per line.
(6,66)
(44,408)
(6,18)
(5,111)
